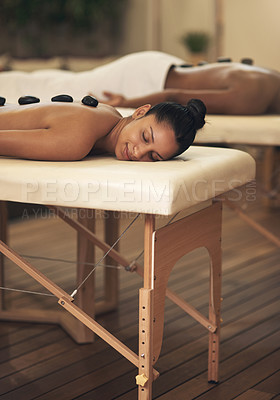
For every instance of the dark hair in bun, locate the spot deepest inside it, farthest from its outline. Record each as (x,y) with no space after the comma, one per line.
(184,120)
(198,110)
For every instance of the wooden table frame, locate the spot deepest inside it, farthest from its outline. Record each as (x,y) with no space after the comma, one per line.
(163,247)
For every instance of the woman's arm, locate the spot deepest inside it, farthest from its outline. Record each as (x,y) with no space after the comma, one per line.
(43,144)
(118,100)
(220,101)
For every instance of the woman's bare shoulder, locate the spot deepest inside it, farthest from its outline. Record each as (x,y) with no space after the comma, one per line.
(56,113)
(98,117)
(61,107)
(101,119)
(62,117)
(104,110)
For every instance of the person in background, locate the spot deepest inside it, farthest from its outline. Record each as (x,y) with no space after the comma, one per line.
(153,77)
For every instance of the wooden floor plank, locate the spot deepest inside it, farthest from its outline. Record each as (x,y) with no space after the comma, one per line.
(231,388)
(270,384)
(256,372)
(252,394)
(43,353)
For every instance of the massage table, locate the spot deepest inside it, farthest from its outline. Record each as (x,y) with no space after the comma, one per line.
(193,185)
(259,130)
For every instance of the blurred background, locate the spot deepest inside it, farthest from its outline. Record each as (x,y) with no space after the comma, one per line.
(79,34)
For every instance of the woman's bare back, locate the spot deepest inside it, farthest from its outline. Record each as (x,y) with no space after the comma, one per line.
(53,131)
(245,83)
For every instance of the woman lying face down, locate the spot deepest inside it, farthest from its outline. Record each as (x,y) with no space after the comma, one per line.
(71,131)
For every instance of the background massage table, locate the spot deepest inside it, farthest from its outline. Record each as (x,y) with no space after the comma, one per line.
(259,130)
(192,184)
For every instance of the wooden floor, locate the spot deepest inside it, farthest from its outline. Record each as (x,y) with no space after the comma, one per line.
(41,362)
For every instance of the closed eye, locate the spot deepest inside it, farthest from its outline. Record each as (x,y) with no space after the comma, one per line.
(146,140)
(152,157)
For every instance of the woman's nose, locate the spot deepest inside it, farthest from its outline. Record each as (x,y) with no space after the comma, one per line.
(139,152)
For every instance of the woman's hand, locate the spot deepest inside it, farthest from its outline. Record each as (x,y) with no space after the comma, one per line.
(113,99)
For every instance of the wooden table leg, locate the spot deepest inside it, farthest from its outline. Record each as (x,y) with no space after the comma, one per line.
(145,377)
(111,275)
(4,238)
(270,177)
(215,253)
(85,253)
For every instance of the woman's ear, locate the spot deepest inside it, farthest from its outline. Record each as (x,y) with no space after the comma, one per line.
(141,111)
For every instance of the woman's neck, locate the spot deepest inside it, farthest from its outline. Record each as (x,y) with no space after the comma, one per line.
(107,144)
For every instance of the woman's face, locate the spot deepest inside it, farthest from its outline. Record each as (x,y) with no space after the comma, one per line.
(144,139)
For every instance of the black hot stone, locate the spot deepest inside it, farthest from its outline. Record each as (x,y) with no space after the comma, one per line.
(187,65)
(28,100)
(2,101)
(90,101)
(224,59)
(248,61)
(64,98)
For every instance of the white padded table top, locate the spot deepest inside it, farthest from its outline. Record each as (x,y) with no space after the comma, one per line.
(263,130)
(105,183)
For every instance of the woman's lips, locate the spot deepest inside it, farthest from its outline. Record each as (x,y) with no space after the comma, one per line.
(126,153)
